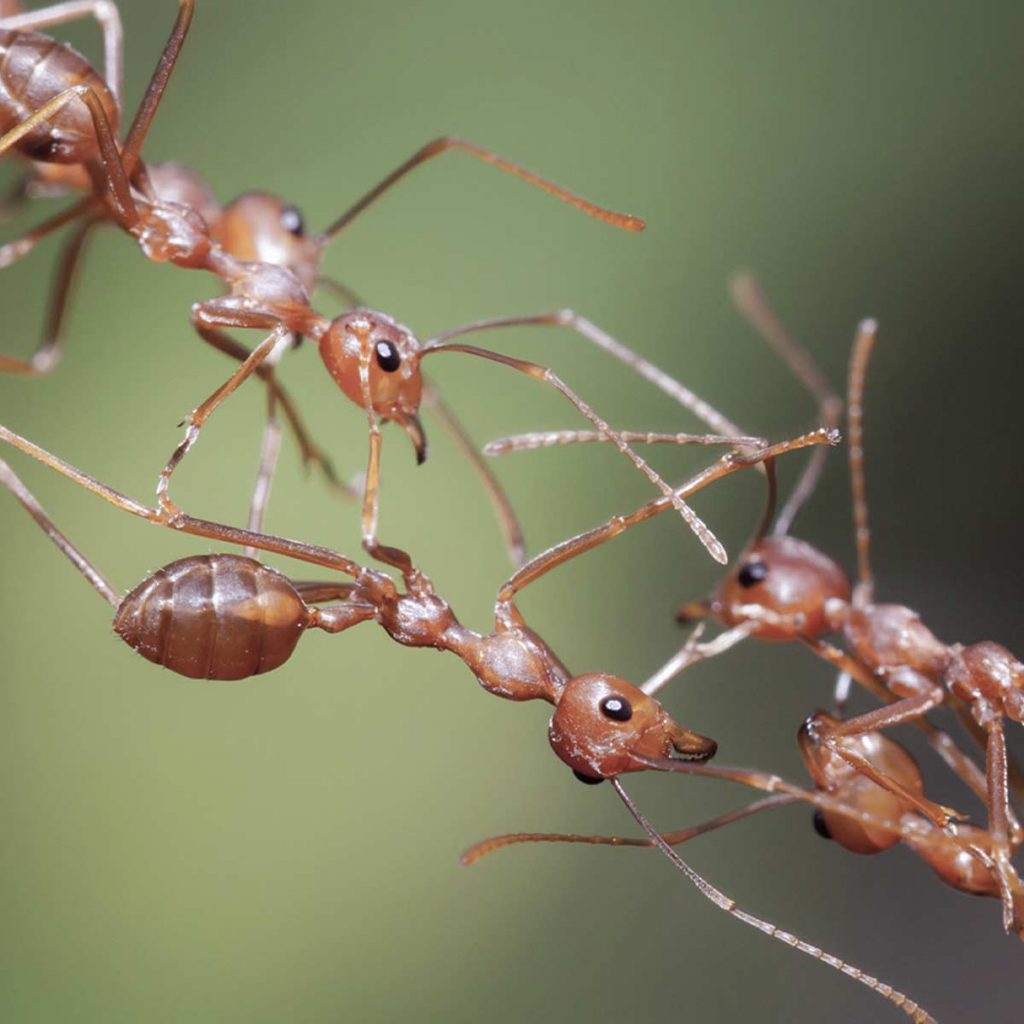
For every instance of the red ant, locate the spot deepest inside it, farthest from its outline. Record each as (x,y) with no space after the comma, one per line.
(372,358)
(782,589)
(856,813)
(602,726)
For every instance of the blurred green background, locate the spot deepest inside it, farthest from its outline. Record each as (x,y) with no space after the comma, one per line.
(286,849)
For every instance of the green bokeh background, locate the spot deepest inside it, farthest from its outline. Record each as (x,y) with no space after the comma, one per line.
(285,849)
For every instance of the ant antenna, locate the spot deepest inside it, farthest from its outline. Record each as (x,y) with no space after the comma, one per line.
(863,344)
(480,850)
(442,344)
(723,902)
(751,302)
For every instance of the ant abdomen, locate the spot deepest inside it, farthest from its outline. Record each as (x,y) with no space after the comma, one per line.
(36,69)
(214,617)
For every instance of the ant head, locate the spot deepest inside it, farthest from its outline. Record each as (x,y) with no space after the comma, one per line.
(787,581)
(364,341)
(604,726)
(837,777)
(261,228)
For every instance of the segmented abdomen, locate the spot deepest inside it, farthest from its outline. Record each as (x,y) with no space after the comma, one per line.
(213,617)
(33,70)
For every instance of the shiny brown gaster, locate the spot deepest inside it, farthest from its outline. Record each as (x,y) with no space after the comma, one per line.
(259,249)
(602,726)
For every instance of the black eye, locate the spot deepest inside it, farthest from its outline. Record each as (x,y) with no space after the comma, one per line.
(617,708)
(388,358)
(291,220)
(751,573)
(588,780)
(819,825)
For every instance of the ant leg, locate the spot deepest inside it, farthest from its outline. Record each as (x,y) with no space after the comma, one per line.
(17,249)
(415,581)
(194,421)
(447,143)
(675,838)
(691,652)
(1000,817)
(155,90)
(302,552)
(752,304)
(862,347)
(841,694)
(309,451)
(548,376)
(16,197)
(511,531)
(899,712)
(114,173)
(506,614)
(1016,777)
(939,740)
(553,438)
(269,451)
(48,352)
(98,581)
(107,16)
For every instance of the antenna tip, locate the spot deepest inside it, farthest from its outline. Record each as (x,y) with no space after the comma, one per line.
(869,325)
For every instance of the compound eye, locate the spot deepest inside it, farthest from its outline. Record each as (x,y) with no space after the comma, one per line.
(588,780)
(388,358)
(291,221)
(617,708)
(751,573)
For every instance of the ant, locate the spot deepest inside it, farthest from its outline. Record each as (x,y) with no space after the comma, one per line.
(371,357)
(858,814)
(783,589)
(602,726)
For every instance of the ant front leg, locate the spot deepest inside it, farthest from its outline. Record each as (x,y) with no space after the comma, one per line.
(919,696)
(1001,818)
(309,451)
(416,582)
(208,315)
(447,144)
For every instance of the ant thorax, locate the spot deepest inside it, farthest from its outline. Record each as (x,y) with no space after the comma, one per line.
(885,636)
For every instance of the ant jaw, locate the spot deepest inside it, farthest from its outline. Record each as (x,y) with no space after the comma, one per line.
(410,423)
(690,746)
